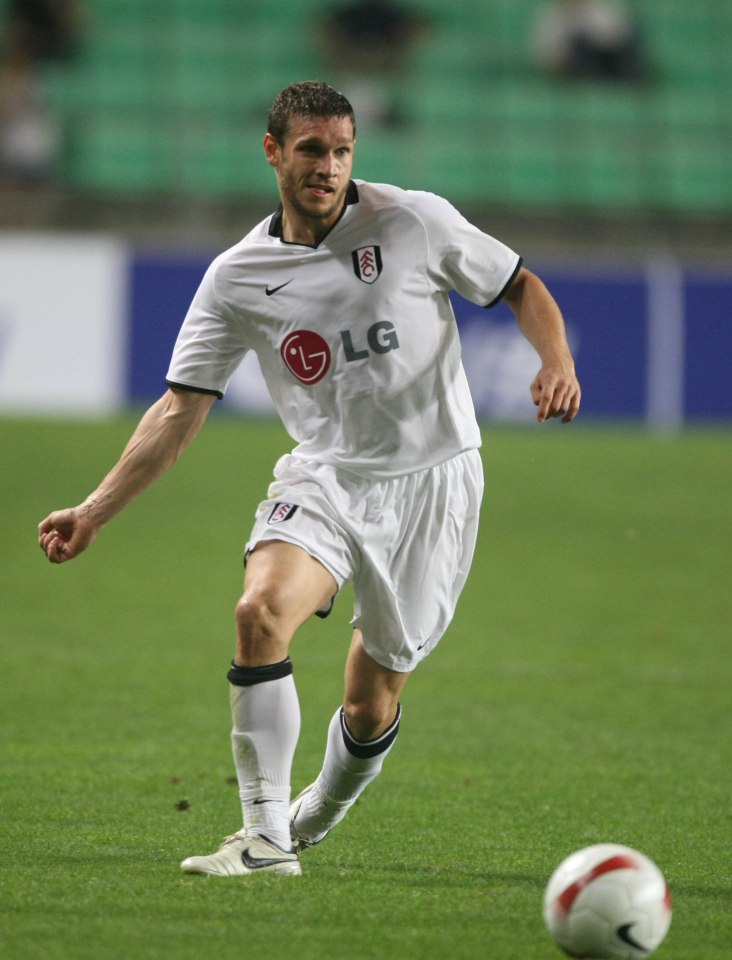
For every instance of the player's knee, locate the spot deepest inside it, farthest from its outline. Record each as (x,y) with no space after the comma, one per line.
(256,623)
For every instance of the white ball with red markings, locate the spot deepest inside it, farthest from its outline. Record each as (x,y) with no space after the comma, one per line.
(607,901)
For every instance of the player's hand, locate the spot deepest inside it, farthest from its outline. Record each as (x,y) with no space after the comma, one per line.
(556,393)
(64,534)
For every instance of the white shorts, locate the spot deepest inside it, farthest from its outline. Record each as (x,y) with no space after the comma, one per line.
(406,543)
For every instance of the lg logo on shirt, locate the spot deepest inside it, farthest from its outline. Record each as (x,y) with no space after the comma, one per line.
(307,355)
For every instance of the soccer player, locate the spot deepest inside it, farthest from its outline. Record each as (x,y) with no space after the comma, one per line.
(343,294)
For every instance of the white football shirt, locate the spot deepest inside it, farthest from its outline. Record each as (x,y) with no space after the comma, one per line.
(356,338)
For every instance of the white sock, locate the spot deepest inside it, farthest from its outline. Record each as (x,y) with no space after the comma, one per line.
(349,766)
(266,725)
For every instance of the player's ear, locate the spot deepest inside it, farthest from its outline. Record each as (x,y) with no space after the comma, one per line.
(271,150)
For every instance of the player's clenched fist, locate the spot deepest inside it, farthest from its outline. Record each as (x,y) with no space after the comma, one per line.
(64,534)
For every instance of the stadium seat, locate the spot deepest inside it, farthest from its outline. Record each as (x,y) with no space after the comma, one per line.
(176,94)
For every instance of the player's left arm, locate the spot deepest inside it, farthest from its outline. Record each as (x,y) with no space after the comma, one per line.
(555,390)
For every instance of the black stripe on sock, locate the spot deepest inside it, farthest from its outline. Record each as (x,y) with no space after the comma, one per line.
(248,676)
(364,750)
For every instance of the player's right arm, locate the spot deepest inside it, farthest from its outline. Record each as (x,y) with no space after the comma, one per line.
(161,436)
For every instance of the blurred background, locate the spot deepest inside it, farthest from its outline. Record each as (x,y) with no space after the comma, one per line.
(594,137)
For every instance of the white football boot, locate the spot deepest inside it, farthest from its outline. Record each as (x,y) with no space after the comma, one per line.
(240,855)
(313,815)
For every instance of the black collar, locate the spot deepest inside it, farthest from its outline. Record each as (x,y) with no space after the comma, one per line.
(275,224)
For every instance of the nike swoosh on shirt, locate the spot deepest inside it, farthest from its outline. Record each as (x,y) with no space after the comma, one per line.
(270,290)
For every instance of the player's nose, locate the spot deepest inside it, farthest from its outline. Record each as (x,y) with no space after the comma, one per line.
(329,165)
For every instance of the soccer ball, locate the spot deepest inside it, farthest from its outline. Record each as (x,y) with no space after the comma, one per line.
(607,901)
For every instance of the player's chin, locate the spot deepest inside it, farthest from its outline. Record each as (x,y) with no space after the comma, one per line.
(324,206)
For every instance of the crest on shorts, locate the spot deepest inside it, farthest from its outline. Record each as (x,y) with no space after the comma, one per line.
(281,512)
(367,263)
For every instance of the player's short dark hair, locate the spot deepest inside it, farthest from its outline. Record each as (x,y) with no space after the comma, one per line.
(308,99)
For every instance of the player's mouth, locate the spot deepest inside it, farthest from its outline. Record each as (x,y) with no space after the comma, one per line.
(318,190)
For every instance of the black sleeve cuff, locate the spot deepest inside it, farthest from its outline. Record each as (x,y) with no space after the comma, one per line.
(187,386)
(508,283)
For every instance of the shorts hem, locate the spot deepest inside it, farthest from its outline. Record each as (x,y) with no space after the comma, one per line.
(395,664)
(268,535)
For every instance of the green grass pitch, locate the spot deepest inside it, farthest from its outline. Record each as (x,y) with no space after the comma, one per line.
(581,695)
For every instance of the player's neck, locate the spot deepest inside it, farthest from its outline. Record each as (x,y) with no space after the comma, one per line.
(298,227)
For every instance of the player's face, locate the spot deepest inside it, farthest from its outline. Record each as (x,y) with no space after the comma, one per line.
(313,171)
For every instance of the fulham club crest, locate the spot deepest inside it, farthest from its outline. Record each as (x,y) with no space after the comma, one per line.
(367,263)
(281,512)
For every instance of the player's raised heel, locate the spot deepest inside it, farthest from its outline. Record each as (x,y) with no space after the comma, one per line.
(240,855)
(313,815)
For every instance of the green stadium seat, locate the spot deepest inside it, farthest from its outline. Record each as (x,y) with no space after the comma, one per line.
(175,95)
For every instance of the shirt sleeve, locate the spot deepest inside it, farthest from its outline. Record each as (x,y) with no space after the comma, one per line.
(210,344)
(463,258)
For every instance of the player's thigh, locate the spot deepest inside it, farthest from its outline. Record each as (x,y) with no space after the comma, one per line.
(408,586)
(286,584)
